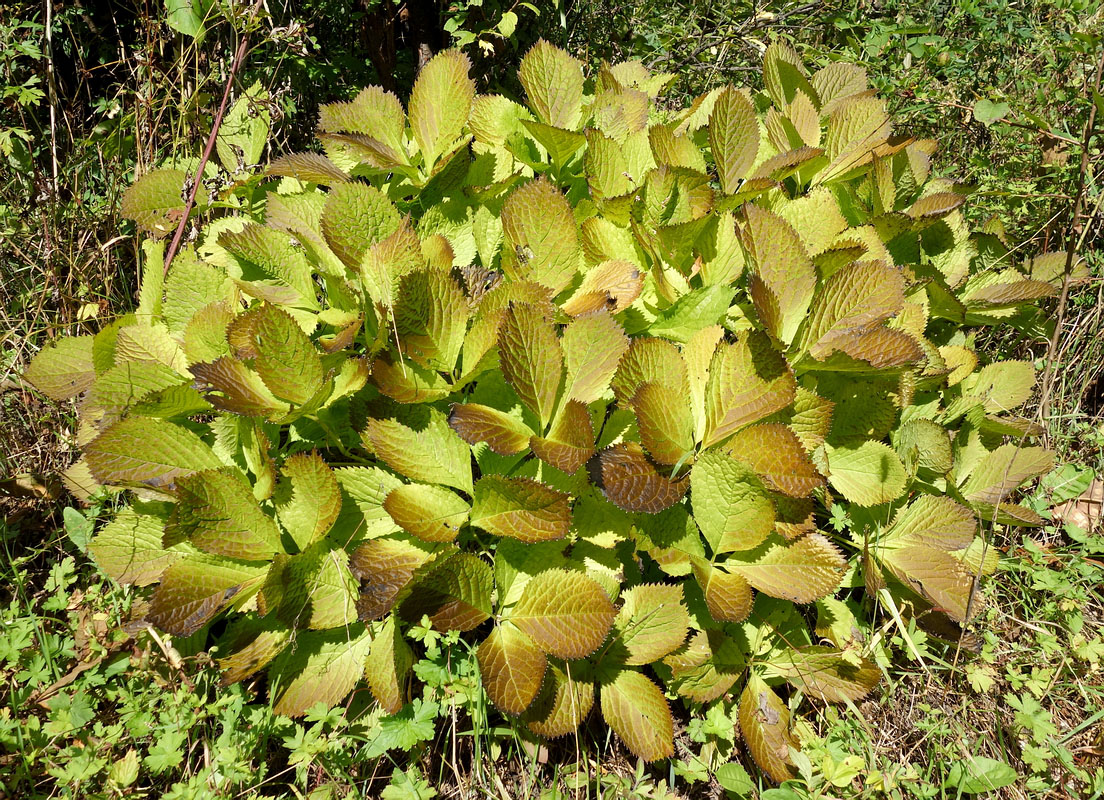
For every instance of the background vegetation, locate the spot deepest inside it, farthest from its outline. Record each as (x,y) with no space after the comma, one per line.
(93,94)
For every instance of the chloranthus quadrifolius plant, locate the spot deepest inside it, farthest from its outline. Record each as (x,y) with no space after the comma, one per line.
(580,378)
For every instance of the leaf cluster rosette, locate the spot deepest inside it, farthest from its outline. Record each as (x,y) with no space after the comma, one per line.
(579,378)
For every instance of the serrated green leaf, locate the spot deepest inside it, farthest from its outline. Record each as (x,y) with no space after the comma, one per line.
(800,571)
(156,200)
(652,622)
(562,705)
(570,441)
(129,548)
(825,673)
(521,509)
(63,368)
(432,513)
(692,312)
(775,454)
(146,450)
(309,501)
(649,360)
(321,667)
(592,347)
(388,663)
(553,83)
(216,511)
(356,217)
(244,130)
(631,482)
(531,358)
(731,505)
(785,278)
(422,447)
(733,137)
(440,103)
(665,423)
(1008,467)
(748,380)
(540,237)
(870,474)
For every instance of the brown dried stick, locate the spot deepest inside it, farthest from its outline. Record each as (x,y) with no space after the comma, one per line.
(239,56)
(1071,252)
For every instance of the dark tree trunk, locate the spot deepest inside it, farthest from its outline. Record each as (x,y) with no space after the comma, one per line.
(377,36)
(423,32)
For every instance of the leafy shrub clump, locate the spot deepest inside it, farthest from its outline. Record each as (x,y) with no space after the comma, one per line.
(627,396)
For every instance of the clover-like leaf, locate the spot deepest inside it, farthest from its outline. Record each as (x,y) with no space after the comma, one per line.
(566,613)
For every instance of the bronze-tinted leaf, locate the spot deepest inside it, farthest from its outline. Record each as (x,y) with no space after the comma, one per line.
(630,481)
(562,705)
(775,454)
(611,286)
(385,567)
(456,595)
(566,613)
(503,433)
(194,589)
(511,667)
(765,724)
(800,571)
(570,442)
(825,673)
(638,713)
(784,268)
(727,595)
